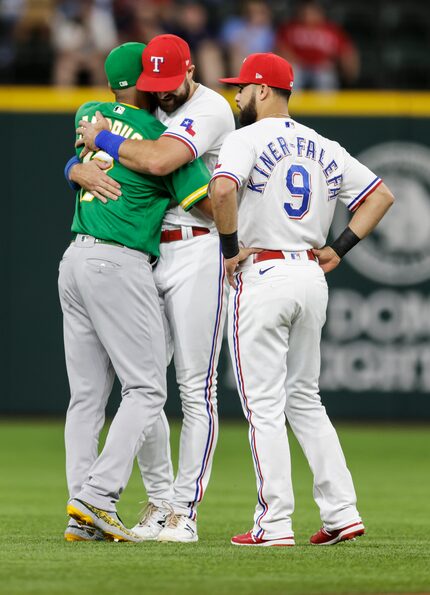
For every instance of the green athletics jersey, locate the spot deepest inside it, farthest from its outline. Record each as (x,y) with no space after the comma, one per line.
(135,218)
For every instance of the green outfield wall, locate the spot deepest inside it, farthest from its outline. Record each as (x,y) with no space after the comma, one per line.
(376,343)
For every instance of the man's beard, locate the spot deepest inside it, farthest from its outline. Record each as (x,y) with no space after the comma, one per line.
(248,114)
(171,102)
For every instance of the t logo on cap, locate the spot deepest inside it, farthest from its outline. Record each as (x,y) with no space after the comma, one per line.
(173,53)
(157,60)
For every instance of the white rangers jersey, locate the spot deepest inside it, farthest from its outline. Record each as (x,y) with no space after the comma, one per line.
(202,124)
(289,179)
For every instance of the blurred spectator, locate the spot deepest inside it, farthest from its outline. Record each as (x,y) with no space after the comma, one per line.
(84,32)
(147,21)
(192,25)
(124,15)
(10,13)
(32,41)
(141,20)
(67,40)
(320,51)
(251,33)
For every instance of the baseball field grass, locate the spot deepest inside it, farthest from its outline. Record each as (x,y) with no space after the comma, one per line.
(390,466)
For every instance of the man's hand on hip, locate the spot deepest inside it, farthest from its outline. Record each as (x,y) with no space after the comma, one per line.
(231,264)
(327,258)
(92,177)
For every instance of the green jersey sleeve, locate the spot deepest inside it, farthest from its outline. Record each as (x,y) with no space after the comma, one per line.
(189,184)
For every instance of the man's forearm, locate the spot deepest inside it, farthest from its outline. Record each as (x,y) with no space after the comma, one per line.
(363,222)
(156,157)
(205,207)
(138,155)
(369,214)
(68,172)
(224,206)
(159,158)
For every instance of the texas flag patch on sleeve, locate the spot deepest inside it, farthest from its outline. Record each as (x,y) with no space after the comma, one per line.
(188,125)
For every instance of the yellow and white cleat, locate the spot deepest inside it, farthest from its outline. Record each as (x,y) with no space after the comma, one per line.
(107,522)
(76,532)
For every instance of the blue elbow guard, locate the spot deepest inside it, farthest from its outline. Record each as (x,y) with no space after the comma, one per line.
(110,143)
(73,161)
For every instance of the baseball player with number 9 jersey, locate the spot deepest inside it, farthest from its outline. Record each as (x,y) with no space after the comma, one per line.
(275,190)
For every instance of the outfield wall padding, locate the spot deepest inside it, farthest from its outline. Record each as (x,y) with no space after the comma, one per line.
(376,348)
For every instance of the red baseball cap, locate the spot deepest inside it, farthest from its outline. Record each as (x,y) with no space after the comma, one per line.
(165,61)
(264,69)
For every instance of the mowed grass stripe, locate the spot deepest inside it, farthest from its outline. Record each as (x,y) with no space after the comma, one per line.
(390,466)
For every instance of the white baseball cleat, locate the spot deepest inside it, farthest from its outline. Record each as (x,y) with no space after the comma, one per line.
(179,528)
(152,521)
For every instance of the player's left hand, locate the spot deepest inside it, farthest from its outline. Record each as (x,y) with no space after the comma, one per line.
(89,131)
(327,258)
(231,264)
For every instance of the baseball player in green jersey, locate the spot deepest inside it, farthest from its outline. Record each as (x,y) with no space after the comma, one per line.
(112,317)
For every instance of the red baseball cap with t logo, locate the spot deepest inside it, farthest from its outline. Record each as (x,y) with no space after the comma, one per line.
(264,69)
(165,61)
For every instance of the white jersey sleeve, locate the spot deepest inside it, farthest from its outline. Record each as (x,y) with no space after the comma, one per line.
(236,159)
(202,122)
(357,183)
(198,131)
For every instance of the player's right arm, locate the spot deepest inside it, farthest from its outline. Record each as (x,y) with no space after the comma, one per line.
(184,140)
(158,157)
(235,162)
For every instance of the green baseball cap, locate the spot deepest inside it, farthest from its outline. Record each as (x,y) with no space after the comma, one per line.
(123,66)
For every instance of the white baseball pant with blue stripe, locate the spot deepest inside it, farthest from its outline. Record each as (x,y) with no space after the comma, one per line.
(191,283)
(275,321)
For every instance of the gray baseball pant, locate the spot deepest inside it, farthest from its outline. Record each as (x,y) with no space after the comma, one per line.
(112,322)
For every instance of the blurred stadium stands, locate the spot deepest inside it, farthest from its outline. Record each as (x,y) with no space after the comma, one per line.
(392,37)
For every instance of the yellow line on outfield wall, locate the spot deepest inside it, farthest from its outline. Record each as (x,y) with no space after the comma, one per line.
(49,99)
(357,103)
(343,103)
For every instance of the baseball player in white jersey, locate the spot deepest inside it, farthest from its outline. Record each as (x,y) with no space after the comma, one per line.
(191,283)
(286,179)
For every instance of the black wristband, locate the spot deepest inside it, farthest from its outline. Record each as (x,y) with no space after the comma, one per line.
(343,244)
(229,244)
